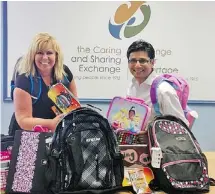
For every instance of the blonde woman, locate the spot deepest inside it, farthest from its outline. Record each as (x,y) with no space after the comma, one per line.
(43,60)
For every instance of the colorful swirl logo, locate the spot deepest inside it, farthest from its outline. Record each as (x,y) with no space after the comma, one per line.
(123,24)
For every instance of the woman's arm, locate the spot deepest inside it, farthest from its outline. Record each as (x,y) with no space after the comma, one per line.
(23,112)
(72,88)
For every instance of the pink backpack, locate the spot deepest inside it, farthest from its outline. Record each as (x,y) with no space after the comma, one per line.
(182,88)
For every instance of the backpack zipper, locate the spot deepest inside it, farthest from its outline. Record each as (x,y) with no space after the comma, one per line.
(156,144)
(180,161)
(97,167)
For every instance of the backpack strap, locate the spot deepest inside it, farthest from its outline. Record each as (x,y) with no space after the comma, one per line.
(15,75)
(153,93)
(36,88)
(65,81)
(12,87)
(212,182)
(181,86)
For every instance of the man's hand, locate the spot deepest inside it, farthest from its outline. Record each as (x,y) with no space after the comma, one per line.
(142,137)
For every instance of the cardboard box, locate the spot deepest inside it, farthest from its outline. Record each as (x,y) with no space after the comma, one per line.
(135,155)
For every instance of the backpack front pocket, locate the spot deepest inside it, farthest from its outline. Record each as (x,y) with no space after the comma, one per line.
(186,173)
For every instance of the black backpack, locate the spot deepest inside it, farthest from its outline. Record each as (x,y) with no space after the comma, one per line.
(84,155)
(184,168)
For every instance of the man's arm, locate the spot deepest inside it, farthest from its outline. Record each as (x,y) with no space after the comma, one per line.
(169,102)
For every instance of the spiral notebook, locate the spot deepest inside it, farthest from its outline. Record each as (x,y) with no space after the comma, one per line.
(63,98)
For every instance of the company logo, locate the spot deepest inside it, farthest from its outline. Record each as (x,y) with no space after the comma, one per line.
(129,19)
(180,138)
(92,139)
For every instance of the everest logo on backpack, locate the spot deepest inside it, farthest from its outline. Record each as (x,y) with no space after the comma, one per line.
(182,88)
(177,160)
(84,155)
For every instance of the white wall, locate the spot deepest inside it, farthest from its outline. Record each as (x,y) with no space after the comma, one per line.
(1,67)
(176,38)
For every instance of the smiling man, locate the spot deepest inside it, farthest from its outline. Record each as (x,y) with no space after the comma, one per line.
(141,60)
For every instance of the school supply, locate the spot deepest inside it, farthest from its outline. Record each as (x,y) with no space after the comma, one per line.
(182,89)
(5,157)
(40,128)
(28,162)
(125,137)
(56,110)
(84,155)
(177,160)
(63,98)
(139,178)
(129,114)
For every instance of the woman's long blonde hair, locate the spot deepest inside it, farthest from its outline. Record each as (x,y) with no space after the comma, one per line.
(40,42)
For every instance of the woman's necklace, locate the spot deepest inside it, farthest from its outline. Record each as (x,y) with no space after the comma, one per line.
(50,84)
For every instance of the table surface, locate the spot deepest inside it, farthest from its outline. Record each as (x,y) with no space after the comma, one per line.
(211,166)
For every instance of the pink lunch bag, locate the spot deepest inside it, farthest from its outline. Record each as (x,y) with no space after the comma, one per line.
(129,114)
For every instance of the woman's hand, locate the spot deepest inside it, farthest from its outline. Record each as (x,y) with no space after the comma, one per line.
(55,121)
